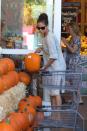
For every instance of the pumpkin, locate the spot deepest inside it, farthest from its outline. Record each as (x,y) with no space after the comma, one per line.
(38,101)
(32,62)
(22,104)
(24,77)
(3,68)
(31,112)
(21,119)
(9,63)
(5,126)
(1,86)
(31,101)
(13,122)
(15,76)
(28,109)
(7,82)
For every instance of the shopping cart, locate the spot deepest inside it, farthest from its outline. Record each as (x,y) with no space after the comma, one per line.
(66,115)
(82,67)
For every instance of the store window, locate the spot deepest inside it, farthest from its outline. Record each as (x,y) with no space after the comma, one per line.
(19,22)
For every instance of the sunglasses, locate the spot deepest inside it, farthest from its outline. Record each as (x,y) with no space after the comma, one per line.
(41,28)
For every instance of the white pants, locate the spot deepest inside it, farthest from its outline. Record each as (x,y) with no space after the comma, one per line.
(54,81)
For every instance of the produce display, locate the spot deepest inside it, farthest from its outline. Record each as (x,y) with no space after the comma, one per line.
(18,112)
(83,45)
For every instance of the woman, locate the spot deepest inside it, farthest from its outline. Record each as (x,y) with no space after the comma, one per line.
(52,57)
(73,47)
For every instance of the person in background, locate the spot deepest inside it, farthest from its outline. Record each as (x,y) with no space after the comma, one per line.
(53,59)
(73,47)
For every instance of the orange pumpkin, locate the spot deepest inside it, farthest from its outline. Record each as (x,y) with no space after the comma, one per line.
(32,62)
(15,76)
(7,82)
(22,104)
(9,63)
(21,119)
(31,112)
(31,101)
(3,68)
(38,100)
(4,126)
(24,77)
(13,122)
(28,109)
(1,86)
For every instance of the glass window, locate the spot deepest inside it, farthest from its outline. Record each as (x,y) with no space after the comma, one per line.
(20,20)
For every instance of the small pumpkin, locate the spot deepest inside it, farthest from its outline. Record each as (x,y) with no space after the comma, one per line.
(32,62)
(24,77)
(5,126)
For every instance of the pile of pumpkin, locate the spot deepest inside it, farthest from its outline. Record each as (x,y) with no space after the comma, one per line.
(9,77)
(12,83)
(25,118)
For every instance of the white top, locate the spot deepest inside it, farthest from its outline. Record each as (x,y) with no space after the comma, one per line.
(52,49)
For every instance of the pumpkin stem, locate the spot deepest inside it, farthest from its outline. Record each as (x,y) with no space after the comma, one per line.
(7,121)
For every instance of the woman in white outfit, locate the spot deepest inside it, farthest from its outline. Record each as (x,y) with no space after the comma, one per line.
(52,57)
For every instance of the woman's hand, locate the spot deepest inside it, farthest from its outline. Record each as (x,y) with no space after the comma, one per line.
(38,50)
(64,40)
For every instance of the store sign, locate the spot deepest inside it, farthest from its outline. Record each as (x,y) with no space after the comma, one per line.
(68,14)
(72,4)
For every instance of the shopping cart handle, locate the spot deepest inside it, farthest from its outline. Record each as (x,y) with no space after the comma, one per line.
(45,73)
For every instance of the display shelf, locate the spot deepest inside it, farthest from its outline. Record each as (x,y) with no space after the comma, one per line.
(81,13)
(15,51)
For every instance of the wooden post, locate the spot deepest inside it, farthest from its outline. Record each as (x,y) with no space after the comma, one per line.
(82,15)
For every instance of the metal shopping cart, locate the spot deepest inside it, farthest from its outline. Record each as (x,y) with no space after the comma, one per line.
(82,67)
(66,115)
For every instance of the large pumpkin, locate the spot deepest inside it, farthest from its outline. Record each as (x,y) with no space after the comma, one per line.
(24,77)
(32,62)
(1,86)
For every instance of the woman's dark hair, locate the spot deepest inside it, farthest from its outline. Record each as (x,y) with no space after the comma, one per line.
(43,18)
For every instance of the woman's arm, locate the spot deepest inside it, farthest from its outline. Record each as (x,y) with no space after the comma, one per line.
(50,61)
(72,49)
